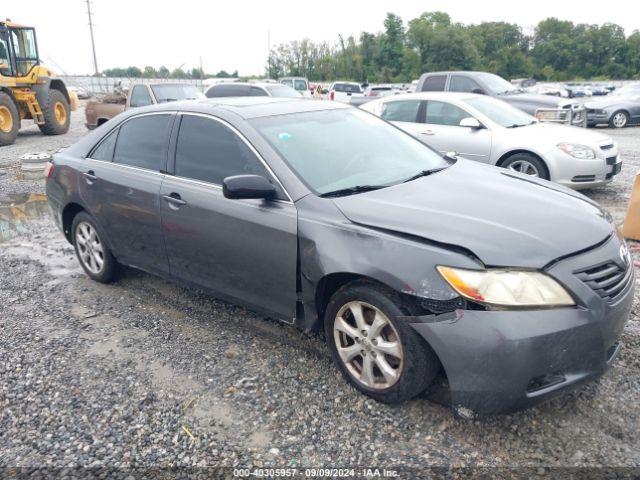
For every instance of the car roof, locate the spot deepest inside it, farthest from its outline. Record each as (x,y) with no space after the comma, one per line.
(457,72)
(247,107)
(246,84)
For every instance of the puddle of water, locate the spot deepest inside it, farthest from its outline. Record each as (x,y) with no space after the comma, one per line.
(17,210)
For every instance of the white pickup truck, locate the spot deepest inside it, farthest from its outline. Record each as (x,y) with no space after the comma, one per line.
(344,91)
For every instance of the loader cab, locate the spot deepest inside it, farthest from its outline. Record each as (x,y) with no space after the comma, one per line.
(18,50)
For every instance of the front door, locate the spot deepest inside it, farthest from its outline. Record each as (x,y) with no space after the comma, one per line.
(403,114)
(442,131)
(243,249)
(120,185)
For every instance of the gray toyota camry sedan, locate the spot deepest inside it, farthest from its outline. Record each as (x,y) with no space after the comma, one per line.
(418,268)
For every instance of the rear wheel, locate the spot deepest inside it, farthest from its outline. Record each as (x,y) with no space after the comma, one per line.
(619,119)
(92,252)
(380,355)
(9,120)
(528,164)
(57,114)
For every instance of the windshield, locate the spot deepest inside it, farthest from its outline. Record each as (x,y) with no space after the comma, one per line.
(301,85)
(347,87)
(282,91)
(500,112)
(331,150)
(173,92)
(496,84)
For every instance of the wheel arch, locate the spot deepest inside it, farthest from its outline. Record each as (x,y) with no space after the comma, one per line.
(505,156)
(69,212)
(9,92)
(58,84)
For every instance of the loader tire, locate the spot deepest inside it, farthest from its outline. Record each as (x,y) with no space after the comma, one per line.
(9,120)
(57,114)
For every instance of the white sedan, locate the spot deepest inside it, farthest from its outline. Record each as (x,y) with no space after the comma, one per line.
(478,127)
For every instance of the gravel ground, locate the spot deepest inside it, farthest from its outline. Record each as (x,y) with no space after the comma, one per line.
(145,373)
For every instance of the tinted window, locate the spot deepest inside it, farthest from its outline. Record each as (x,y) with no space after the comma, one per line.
(282,91)
(347,87)
(258,92)
(209,151)
(172,92)
(462,84)
(434,83)
(228,90)
(443,113)
(301,85)
(404,111)
(288,83)
(141,142)
(140,96)
(104,151)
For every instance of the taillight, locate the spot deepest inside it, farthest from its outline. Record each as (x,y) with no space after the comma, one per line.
(48,170)
(331,94)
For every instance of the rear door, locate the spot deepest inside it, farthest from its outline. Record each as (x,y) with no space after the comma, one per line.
(403,114)
(442,131)
(434,83)
(243,249)
(120,185)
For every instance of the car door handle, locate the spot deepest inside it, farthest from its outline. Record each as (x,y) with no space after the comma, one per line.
(174,199)
(427,132)
(90,176)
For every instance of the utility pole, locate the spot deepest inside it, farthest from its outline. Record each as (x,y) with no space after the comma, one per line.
(93,42)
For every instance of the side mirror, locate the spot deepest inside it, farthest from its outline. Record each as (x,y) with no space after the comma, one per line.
(471,123)
(247,186)
(479,91)
(451,156)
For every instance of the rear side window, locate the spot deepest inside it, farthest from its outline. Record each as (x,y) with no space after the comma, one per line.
(434,83)
(228,90)
(258,92)
(141,142)
(104,150)
(140,96)
(462,84)
(401,111)
(209,151)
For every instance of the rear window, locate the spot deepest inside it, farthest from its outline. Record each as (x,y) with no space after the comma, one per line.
(401,111)
(172,92)
(434,83)
(301,85)
(141,142)
(228,90)
(347,87)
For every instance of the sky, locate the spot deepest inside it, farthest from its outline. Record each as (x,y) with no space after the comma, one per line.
(234,35)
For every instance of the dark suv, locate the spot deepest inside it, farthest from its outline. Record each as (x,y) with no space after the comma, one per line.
(543,107)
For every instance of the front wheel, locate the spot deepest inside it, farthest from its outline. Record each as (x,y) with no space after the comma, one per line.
(57,114)
(528,164)
(9,120)
(619,119)
(92,252)
(380,355)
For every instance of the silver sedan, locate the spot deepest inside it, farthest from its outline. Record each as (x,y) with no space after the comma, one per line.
(489,130)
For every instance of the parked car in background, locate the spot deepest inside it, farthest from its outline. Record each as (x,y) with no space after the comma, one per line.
(344,91)
(374,91)
(100,111)
(250,89)
(554,90)
(299,84)
(488,130)
(617,110)
(412,264)
(543,107)
(577,90)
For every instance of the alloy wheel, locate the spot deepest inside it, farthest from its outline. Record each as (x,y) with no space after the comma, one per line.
(619,120)
(368,345)
(524,166)
(90,248)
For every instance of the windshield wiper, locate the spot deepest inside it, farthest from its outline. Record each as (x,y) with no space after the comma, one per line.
(424,173)
(351,190)
(516,125)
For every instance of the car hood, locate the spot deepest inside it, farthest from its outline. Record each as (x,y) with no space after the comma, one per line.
(610,102)
(504,218)
(543,133)
(540,101)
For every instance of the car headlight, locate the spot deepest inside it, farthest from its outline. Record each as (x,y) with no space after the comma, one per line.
(509,288)
(577,151)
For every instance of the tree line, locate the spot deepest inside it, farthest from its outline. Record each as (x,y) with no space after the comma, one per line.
(164,72)
(558,50)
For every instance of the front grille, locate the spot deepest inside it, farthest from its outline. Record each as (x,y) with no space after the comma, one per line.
(612,160)
(584,178)
(608,280)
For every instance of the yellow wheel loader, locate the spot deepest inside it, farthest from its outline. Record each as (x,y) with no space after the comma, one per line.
(29,90)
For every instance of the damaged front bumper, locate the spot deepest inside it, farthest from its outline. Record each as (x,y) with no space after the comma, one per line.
(501,361)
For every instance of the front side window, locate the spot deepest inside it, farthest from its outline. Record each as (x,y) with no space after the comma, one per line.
(24,43)
(140,96)
(287,82)
(462,84)
(104,151)
(401,111)
(444,113)
(5,65)
(209,151)
(335,149)
(141,142)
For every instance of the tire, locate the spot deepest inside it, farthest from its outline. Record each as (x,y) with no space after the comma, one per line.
(9,120)
(416,367)
(619,119)
(57,114)
(108,269)
(534,166)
